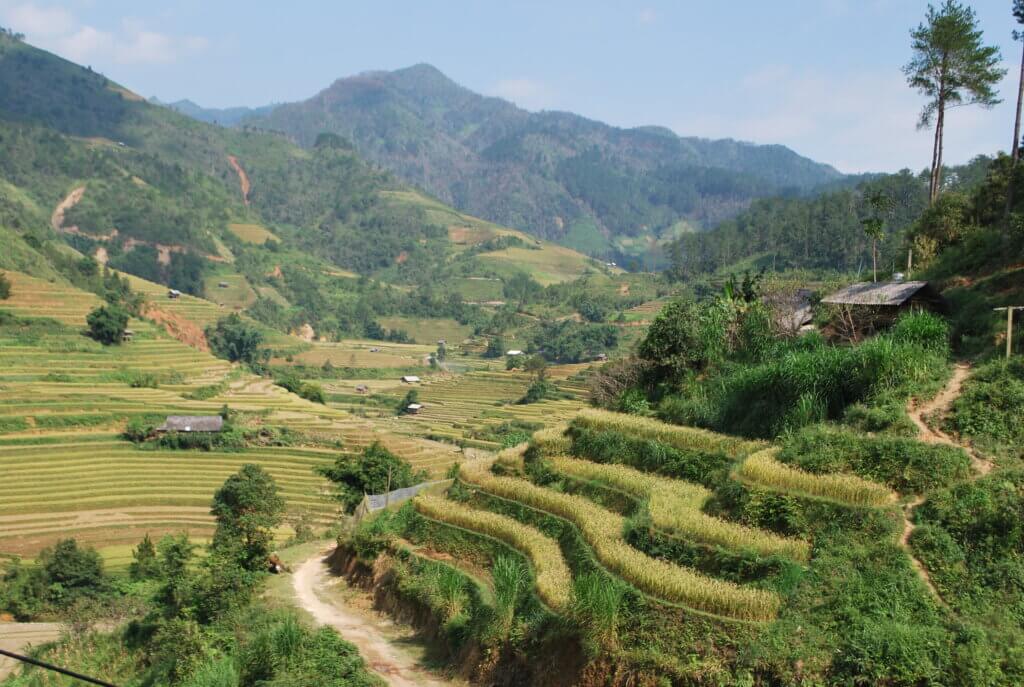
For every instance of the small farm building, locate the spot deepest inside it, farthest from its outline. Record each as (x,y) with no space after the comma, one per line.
(895,296)
(192,423)
(127,335)
(174,293)
(514,352)
(410,379)
(414,408)
(362,388)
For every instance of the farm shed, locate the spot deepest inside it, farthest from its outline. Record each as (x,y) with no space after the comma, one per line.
(362,388)
(513,353)
(896,296)
(127,335)
(791,310)
(410,379)
(192,423)
(174,293)
(414,408)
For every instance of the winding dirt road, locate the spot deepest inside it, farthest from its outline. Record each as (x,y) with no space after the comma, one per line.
(57,218)
(390,662)
(243,178)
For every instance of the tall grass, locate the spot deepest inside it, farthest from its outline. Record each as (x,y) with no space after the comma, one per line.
(554,582)
(602,529)
(763,469)
(510,580)
(596,607)
(675,506)
(679,437)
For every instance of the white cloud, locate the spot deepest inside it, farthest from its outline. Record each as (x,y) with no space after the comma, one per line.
(131,43)
(647,15)
(524,92)
(858,121)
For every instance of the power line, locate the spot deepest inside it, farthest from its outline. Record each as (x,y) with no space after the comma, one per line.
(57,669)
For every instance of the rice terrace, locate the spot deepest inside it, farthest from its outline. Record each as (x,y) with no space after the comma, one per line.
(403,384)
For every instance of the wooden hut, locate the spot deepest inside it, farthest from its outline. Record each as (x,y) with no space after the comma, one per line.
(894,297)
(192,423)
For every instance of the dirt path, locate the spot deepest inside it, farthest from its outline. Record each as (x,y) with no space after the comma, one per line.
(243,178)
(19,636)
(940,405)
(57,218)
(389,661)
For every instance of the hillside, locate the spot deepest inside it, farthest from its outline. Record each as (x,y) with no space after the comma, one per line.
(556,175)
(226,116)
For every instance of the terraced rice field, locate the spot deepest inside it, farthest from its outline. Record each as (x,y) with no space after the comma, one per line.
(456,406)
(252,233)
(65,400)
(357,353)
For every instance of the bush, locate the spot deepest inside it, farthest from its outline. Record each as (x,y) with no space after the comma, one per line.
(992,404)
(236,340)
(5,287)
(307,390)
(107,324)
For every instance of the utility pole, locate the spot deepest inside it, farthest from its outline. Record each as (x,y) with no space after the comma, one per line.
(1009,326)
(387,492)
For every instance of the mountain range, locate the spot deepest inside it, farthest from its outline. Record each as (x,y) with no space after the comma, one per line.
(598,188)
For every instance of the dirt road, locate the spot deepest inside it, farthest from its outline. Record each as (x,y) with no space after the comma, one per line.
(389,661)
(940,405)
(19,636)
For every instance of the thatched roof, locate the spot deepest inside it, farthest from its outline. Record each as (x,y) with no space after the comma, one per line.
(192,423)
(885,293)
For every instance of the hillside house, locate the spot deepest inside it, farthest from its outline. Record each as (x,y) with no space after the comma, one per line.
(174,293)
(362,388)
(222,285)
(514,353)
(410,379)
(414,408)
(192,423)
(127,335)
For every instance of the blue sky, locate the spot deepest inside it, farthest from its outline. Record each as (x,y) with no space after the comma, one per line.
(821,76)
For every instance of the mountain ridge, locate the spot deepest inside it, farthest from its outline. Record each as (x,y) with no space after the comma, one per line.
(555,174)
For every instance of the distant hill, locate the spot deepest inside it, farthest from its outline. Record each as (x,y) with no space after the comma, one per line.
(554,174)
(225,116)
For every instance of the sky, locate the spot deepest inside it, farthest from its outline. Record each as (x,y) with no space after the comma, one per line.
(820,76)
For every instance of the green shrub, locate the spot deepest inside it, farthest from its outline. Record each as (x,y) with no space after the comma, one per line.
(107,324)
(991,407)
(5,287)
(371,473)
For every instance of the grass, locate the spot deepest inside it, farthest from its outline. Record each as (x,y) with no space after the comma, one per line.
(429,330)
(675,506)
(554,583)
(602,530)
(764,470)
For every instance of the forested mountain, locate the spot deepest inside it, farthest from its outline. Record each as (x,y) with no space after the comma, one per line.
(821,232)
(554,174)
(227,116)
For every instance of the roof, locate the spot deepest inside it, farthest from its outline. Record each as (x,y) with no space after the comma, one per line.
(414,406)
(892,293)
(410,378)
(514,351)
(192,423)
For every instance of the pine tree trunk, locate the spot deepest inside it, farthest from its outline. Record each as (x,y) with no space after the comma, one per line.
(940,123)
(1015,149)
(874,260)
(935,157)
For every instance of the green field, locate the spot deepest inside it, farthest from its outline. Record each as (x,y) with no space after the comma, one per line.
(252,233)
(429,330)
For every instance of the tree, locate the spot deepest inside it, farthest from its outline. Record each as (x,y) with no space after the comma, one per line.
(520,288)
(144,563)
(403,406)
(107,324)
(236,340)
(495,347)
(5,287)
(247,507)
(1018,14)
(951,67)
(375,471)
(874,226)
(71,571)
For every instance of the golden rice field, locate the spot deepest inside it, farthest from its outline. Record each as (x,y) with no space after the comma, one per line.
(764,470)
(686,438)
(675,506)
(602,530)
(554,582)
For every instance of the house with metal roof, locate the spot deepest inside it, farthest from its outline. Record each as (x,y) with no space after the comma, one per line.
(192,423)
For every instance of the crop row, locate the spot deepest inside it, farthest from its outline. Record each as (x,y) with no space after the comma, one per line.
(554,583)
(602,530)
(764,470)
(675,506)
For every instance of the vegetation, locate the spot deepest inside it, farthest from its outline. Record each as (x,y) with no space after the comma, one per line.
(5,287)
(373,472)
(107,324)
(553,581)
(763,469)
(236,340)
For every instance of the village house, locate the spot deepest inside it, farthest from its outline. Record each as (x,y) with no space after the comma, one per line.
(410,379)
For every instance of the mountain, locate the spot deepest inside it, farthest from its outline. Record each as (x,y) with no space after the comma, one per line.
(86,163)
(557,175)
(224,116)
